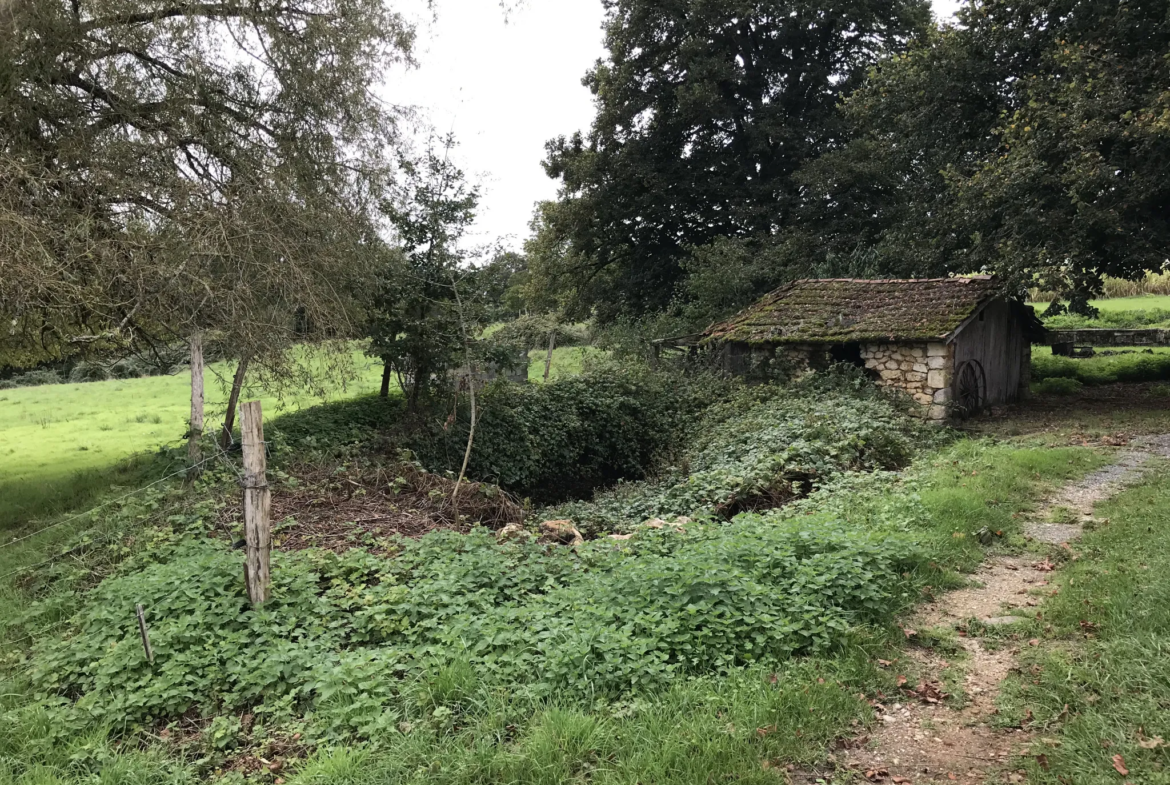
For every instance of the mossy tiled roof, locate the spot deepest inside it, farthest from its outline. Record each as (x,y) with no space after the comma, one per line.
(839,310)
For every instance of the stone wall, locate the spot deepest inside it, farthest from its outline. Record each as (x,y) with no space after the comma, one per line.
(922,370)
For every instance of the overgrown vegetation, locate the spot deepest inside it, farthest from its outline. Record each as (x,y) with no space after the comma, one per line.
(761,448)
(463,658)
(1120,366)
(1100,685)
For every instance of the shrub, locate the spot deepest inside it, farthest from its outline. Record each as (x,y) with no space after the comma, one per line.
(560,439)
(762,448)
(33,378)
(87,372)
(532,332)
(1058,385)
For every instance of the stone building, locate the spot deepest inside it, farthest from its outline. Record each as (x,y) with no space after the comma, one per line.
(954,345)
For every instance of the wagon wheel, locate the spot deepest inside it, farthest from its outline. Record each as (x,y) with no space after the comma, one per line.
(970,388)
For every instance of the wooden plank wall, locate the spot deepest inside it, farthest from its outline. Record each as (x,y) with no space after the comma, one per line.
(996,340)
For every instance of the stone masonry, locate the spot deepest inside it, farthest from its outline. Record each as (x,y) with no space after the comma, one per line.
(922,370)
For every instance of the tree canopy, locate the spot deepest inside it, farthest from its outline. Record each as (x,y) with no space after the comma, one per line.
(167,167)
(1030,140)
(705,110)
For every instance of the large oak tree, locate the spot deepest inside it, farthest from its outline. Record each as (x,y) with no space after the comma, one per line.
(1030,140)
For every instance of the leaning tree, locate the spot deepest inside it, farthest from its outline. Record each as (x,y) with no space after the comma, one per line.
(173,168)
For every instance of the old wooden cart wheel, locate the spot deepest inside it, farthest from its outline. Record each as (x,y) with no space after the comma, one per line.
(970,388)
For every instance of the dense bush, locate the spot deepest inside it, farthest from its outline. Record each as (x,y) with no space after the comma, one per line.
(1104,369)
(31,379)
(88,372)
(762,448)
(533,331)
(336,424)
(1057,385)
(560,439)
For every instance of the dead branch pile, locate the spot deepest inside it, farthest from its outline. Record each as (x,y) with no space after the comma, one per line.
(363,505)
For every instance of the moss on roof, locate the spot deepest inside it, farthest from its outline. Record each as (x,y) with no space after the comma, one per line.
(840,310)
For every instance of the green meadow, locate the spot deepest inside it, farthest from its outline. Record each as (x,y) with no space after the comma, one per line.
(61,444)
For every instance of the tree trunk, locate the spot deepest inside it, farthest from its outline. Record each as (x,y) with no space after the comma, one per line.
(195,430)
(385,391)
(229,417)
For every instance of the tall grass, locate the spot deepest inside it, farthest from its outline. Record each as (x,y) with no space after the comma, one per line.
(1152,283)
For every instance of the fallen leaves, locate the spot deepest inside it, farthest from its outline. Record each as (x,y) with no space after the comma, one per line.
(926,691)
(1044,566)
(1119,765)
(1149,744)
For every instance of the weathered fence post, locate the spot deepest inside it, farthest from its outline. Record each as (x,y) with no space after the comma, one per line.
(552,344)
(144,631)
(257,498)
(195,433)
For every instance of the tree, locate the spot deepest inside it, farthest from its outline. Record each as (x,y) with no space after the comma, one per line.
(500,285)
(416,320)
(1029,141)
(176,168)
(705,112)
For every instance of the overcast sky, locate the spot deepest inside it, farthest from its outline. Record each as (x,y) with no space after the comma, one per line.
(504,85)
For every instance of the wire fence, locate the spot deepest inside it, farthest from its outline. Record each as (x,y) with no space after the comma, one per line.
(218,455)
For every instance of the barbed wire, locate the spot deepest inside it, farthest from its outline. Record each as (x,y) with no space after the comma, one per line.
(106,503)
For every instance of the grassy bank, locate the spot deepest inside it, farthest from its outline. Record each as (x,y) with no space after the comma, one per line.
(1099,685)
(61,443)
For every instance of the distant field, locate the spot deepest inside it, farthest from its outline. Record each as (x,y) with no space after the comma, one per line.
(60,443)
(1145,302)
(49,435)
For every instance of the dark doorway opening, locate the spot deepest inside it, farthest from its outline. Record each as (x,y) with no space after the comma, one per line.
(847,353)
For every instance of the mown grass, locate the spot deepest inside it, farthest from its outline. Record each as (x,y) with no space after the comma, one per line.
(463,727)
(1099,685)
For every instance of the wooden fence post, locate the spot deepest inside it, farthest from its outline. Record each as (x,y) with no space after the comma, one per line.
(257,498)
(194,448)
(552,344)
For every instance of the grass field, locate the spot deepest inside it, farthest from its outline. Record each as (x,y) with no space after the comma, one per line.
(1145,302)
(62,443)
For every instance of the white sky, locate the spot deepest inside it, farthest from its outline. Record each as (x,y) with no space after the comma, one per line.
(505,84)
